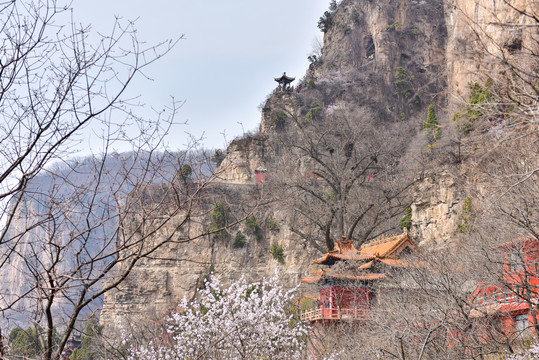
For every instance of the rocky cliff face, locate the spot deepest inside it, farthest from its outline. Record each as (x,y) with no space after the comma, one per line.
(244,156)
(391,57)
(178,269)
(436,208)
(481,35)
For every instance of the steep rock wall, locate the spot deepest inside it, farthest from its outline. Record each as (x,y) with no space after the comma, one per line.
(434,42)
(436,208)
(244,156)
(157,284)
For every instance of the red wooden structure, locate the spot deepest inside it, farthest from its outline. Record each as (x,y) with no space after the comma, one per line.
(260,176)
(513,302)
(347,293)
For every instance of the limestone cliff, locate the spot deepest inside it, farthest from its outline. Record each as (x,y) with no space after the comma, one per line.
(390,57)
(178,269)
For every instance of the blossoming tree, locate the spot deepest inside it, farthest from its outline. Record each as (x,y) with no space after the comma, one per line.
(531,354)
(244,321)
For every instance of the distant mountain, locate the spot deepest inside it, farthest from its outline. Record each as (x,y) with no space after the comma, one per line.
(68,215)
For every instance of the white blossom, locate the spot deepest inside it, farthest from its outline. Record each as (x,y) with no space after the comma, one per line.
(531,354)
(244,321)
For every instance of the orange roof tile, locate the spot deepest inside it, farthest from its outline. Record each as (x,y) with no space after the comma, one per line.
(343,276)
(377,250)
(343,250)
(366,265)
(385,246)
(347,256)
(395,262)
(389,262)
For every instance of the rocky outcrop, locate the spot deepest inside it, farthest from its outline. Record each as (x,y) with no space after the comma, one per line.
(482,34)
(392,57)
(244,156)
(436,209)
(157,284)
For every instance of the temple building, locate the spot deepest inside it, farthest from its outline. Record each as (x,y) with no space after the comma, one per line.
(348,284)
(260,175)
(284,82)
(512,303)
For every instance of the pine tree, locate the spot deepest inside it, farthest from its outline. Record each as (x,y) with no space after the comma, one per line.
(240,240)
(184,172)
(431,128)
(88,350)
(218,221)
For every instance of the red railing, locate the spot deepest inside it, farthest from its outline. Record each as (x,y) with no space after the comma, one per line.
(359,313)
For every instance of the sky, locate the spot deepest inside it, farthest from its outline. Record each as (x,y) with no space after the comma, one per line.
(224,67)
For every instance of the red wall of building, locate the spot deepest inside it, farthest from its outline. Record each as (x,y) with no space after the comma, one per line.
(344,297)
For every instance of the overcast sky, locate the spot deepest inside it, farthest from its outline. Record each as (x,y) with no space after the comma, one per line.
(225,66)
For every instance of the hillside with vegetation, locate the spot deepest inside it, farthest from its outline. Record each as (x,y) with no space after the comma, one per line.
(416,117)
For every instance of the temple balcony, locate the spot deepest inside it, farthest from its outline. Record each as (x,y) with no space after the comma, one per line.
(357,313)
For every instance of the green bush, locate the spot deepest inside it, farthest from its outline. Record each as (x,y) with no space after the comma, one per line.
(88,350)
(355,16)
(184,172)
(218,157)
(25,342)
(346,29)
(253,227)
(479,97)
(325,21)
(251,223)
(314,110)
(278,120)
(218,221)
(480,94)
(394,26)
(239,240)
(431,128)
(277,252)
(406,221)
(402,83)
(331,196)
(313,60)
(464,224)
(310,84)
(272,224)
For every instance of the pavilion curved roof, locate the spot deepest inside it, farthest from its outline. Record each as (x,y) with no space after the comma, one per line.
(284,78)
(343,250)
(383,250)
(387,245)
(396,263)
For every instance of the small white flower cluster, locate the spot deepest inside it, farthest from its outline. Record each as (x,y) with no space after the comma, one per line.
(245,321)
(531,354)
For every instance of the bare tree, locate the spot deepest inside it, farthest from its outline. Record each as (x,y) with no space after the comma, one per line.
(69,227)
(341,174)
(425,310)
